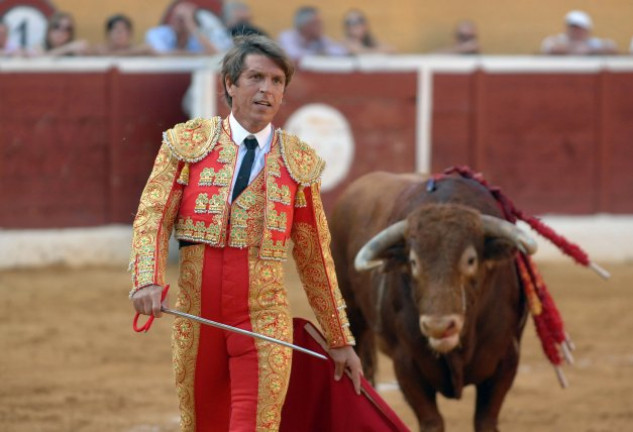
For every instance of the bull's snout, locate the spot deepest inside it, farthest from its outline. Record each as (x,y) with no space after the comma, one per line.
(442,331)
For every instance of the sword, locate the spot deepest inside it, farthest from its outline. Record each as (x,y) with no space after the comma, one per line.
(241,331)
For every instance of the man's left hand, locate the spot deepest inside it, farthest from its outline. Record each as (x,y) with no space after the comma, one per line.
(345,358)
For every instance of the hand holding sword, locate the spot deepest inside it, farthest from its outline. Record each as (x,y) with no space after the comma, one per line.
(151,300)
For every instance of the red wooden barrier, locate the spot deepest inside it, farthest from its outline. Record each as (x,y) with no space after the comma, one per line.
(76,147)
(556,143)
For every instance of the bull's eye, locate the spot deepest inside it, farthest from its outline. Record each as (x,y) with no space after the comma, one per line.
(469,261)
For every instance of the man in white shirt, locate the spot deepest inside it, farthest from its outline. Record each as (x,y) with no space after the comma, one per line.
(236,192)
(577,39)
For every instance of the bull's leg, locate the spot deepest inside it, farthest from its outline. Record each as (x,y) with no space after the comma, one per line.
(422,398)
(492,392)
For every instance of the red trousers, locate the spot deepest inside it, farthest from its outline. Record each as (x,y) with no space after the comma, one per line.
(226,381)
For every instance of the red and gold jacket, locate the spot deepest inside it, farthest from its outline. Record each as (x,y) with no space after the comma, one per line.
(188,191)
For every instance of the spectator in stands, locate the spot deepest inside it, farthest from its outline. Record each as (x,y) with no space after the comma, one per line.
(238,19)
(7,48)
(577,39)
(119,31)
(358,37)
(465,40)
(181,36)
(60,37)
(307,38)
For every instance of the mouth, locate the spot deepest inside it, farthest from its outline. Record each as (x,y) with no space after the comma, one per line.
(263,103)
(444,344)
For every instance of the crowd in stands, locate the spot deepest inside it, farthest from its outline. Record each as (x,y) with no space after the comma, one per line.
(183,34)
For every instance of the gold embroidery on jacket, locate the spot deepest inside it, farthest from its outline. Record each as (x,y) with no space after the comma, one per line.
(247,216)
(217,202)
(272,249)
(202,203)
(228,151)
(186,333)
(316,269)
(194,140)
(300,198)
(186,229)
(303,163)
(223,176)
(154,221)
(277,221)
(206,177)
(239,216)
(280,194)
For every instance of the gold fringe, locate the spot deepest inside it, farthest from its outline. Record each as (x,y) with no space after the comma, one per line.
(183,179)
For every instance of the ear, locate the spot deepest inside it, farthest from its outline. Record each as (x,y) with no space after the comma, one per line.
(498,249)
(229,85)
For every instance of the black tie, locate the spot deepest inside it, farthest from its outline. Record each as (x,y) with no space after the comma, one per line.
(244,173)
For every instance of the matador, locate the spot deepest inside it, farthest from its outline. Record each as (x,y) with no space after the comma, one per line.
(236,193)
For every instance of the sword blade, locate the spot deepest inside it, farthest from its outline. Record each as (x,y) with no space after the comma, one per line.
(242,332)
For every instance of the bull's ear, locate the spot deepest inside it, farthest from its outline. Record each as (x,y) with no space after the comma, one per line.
(498,249)
(395,256)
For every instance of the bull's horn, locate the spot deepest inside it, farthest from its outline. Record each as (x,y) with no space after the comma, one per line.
(502,228)
(366,256)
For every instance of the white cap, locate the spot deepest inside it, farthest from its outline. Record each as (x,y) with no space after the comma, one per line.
(579,19)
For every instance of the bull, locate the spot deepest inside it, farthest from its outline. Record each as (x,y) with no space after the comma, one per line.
(443,299)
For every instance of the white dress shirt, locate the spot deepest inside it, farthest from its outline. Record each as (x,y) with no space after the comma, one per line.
(264,138)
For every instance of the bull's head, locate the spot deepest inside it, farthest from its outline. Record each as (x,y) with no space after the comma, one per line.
(447,251)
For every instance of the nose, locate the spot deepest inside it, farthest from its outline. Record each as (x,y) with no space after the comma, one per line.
(265,85)
(441,326)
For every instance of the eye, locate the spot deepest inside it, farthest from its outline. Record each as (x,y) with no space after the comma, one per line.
(471,261)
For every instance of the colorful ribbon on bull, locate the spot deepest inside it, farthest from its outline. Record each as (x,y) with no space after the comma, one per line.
(547,319)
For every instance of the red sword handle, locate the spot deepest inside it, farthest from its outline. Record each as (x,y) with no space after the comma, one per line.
(150,320)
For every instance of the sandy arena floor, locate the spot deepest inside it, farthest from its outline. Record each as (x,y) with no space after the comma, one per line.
(71,362)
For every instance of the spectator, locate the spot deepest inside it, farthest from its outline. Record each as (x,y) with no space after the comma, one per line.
(307,38)
(119,30)
(60,37)
(7,48)
(358,37)
(238,19)
(181,36)
(577,39)
(466,41)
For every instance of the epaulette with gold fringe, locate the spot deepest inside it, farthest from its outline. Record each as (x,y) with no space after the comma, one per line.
(303,163)
(192,141)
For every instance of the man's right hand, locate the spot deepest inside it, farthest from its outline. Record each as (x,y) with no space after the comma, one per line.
(147,300)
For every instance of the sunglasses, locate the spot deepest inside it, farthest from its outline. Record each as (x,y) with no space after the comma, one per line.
(59,26)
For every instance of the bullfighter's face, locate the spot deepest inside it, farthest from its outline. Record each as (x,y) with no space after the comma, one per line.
(258,92)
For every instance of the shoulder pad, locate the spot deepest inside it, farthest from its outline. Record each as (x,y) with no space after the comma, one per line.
(192,141)
(303,163)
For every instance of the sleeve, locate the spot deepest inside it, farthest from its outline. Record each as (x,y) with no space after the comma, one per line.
(314,262)
(154,221)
